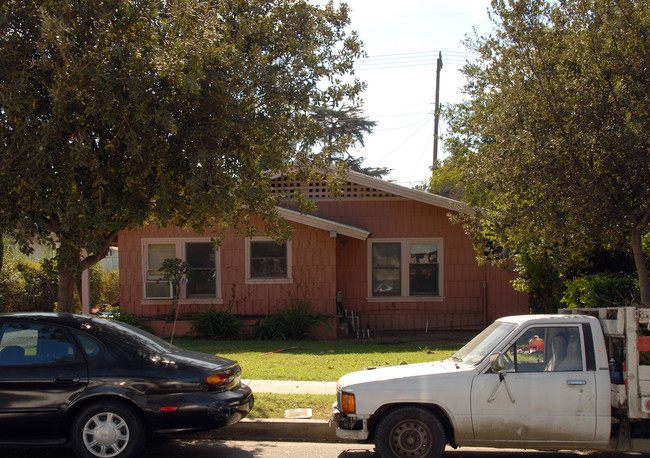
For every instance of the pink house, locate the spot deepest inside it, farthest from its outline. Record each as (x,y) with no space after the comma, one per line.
(388,253)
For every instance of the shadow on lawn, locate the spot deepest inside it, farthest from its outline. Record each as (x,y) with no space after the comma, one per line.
(382,342)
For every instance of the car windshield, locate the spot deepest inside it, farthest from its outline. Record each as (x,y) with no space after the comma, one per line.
(483,344)
(133,337)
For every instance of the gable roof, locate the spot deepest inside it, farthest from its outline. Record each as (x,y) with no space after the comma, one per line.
(325,224)
(360,186)
(408,193)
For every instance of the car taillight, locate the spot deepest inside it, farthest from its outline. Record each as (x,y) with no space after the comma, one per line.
(221,378)
(348,404)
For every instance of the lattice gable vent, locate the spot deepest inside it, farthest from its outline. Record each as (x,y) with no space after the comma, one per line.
(318,190)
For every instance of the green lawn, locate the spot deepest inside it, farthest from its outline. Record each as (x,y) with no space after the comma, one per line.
(323,360)
(273,405)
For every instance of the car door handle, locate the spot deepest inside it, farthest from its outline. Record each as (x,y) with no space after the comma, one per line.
(576,382)
(66,379)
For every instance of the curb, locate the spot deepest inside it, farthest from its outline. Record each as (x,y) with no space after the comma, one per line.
(294,430)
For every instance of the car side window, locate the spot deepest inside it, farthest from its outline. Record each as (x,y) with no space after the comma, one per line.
(29,343)
(548,349)
(88,345)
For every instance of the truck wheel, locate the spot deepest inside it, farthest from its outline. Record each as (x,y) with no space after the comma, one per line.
(108,429)
(410,431)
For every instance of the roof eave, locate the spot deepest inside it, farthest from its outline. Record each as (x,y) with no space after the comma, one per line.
(324,224)
(412,194)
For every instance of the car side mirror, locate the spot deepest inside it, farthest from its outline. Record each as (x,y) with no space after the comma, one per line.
(497,362)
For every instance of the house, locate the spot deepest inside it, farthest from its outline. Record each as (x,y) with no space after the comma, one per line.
(389,254)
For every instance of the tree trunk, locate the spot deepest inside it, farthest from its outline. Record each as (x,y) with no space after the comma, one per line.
(71,263)
(641,267)
(68,260)
(65,299)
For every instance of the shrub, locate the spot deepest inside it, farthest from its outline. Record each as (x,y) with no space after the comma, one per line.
(27,285)
(604,289)
(112,286)
(104,287)
(270,328)
(130,318)
(292,323)
(218,324)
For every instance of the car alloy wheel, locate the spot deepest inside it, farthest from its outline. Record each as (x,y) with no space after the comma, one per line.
(108,430)
(106,435)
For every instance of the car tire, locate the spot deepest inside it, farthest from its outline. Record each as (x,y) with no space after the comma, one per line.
(108,429)
(410,432)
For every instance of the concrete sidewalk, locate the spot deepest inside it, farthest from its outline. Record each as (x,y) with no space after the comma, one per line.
(291,387)
(281,429)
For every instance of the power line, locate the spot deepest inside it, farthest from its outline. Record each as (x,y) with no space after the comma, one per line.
(394,149)
(361,67)
(430,53)
(413,59)
(420,55)
(402,127)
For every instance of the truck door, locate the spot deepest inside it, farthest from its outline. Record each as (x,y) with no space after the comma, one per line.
(544,394)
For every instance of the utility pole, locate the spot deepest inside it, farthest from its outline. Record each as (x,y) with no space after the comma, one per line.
(437,112)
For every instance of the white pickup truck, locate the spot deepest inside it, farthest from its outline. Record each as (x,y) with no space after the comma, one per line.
(571,381)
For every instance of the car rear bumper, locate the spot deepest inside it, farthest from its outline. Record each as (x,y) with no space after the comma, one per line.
(190,412)
(230,411)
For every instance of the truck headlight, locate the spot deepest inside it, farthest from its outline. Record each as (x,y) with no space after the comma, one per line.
(348,404)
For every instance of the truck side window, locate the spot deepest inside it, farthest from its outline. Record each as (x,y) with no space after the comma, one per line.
(529,351)
(549,349)
(566,350)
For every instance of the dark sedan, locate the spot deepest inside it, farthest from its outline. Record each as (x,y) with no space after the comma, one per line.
(106,387)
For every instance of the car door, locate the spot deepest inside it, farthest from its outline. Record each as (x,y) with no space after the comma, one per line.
(41,372)
(544,394)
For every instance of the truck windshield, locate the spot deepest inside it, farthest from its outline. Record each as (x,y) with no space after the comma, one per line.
(483,344)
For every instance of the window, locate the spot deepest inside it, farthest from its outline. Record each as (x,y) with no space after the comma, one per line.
(203,281)
(547,349)
(22,344)
(268,261)
(155,287)
(387,269)
(423,269)
(89,346)
(405,268)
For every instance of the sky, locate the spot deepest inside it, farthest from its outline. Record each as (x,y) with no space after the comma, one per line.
(402,39)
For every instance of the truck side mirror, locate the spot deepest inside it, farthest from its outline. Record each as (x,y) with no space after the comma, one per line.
(497,362)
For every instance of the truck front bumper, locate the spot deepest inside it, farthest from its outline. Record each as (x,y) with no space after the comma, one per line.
(347,427)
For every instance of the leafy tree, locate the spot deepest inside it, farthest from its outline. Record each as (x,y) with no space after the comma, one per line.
(115,114)
(445,180)
(347,123)
(553,142)
(600,290)
(541,280)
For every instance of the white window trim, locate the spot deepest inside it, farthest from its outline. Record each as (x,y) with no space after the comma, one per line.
(267,281)
(180,254)
(405,243)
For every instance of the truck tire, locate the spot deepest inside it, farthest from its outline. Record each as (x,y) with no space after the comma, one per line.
(410,432)
(108,429)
